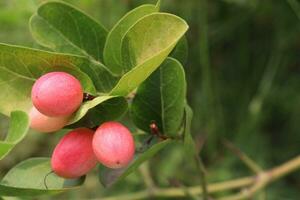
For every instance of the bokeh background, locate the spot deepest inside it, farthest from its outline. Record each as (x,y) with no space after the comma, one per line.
(243,74)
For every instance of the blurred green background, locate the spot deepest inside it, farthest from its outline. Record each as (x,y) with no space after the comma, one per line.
(243,74)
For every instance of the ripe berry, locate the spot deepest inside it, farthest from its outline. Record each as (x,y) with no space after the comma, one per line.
(57,94)
(45,124)
(113,145)
(73,156)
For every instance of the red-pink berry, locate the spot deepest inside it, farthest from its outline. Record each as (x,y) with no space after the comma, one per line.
(45,124)
(73,156)
(113,145)
(57,94)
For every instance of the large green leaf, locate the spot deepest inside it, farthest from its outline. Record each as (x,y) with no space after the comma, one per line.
(63,28)
(27,179)
(98,110)
(161,99)
(145,46)
(20,67)
(19,125)
(112,50)
(109,176)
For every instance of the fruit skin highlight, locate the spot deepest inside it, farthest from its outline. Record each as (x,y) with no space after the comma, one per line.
(45,124)
(73,156)
(57,94)
(113,145)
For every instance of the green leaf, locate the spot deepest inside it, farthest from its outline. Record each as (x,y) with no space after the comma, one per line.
(145,46)
(20,67)
(27,179)
(63,28)
(19,125)
(112,50)
(180,52)
(99,110)
(189,144)
(109,176)
(161,99)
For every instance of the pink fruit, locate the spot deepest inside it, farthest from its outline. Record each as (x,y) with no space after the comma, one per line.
(57,94)
(45,124)
(73,156)
(113,145)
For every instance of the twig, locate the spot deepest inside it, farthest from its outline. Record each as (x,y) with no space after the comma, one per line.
(202,171)
(251,164)
(256,182)
(145,172)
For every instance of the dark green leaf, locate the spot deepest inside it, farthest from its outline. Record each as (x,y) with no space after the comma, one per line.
(110,109)
(20,67)
(19,125)
(145,46)
(27,179)
(161,99)
(180,52)
(109,176)
(102,78)
(112,49)
(63,28)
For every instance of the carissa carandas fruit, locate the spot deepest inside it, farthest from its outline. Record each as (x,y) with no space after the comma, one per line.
(113,145)
(45,124)
(57,94)
(73,156)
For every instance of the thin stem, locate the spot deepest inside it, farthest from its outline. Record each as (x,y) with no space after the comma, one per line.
(202,171)
(251,164)
(145,172)
(257,183)
(45,179)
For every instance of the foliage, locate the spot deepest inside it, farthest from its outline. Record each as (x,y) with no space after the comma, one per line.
(254,75)
(136,47)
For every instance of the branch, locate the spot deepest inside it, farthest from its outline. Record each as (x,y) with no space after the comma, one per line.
(251,164)
(256,182)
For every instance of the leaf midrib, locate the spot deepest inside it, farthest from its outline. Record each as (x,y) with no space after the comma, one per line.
(64,37)
(17,74)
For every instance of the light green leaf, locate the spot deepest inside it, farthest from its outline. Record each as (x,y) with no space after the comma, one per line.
(19,125)
(109,176)
(63,28)
(27,179)
(145,46)
(161,99)
(20,67)
(101,109)
(112,50)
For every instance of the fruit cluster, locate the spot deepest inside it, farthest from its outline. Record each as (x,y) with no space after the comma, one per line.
(55,97)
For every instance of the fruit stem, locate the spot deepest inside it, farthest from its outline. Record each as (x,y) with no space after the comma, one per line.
(88,97)
(45,179)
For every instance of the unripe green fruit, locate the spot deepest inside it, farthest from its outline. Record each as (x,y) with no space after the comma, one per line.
(45,124)
(73,156)
(57,94)
(113,145)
